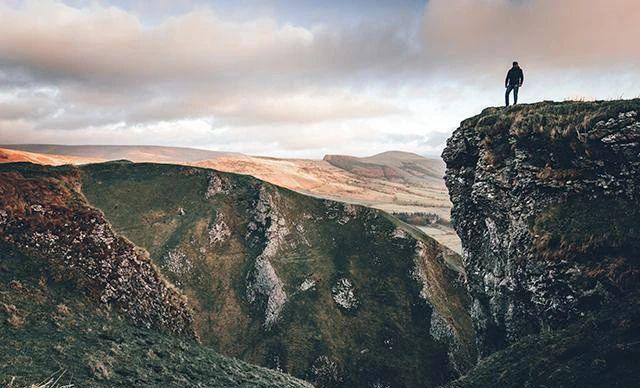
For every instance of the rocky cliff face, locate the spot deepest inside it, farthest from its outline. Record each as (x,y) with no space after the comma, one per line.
(546,204)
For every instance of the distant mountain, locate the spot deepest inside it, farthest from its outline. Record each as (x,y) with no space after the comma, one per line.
(392,181)
(134,153)
(11,156)
(395,166)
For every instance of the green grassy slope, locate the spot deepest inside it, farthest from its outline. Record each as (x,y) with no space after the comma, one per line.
(337,294)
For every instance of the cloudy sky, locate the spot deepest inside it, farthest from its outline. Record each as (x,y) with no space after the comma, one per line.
(297,78)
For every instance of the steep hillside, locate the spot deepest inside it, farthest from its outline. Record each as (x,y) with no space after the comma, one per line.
(44,214)
(134,153)
(546,204)
(599,351)
(338,294)
(81,306)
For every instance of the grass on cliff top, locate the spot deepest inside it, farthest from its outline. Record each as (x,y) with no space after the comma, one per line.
(50,331)
(558,128)
(556,119)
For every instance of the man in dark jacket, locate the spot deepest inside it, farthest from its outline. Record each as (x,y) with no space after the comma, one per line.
(515,79)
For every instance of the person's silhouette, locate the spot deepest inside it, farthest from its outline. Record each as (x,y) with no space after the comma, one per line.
(515,79)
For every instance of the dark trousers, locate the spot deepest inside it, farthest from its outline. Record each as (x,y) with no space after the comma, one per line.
(515,94)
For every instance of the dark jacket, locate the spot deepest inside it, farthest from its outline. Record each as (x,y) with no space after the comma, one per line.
(515,77)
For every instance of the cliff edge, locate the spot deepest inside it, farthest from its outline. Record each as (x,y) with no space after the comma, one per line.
(545,200)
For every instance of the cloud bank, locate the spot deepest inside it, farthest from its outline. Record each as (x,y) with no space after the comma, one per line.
(547,33)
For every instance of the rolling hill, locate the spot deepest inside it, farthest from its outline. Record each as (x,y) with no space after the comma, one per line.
(12,156)
(134,153)
(394,166)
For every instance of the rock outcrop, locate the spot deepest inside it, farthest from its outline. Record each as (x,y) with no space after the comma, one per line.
(263,281)
(546,203)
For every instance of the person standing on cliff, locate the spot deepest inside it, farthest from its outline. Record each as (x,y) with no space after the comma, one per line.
(514,80)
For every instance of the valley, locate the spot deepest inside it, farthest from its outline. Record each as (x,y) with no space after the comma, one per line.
(267,270)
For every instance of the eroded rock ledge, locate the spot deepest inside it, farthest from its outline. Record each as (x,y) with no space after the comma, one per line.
(546,203)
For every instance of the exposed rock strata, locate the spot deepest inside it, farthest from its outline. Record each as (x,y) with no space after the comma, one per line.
(263,280)
(219,232)
(344,294)
(448,324)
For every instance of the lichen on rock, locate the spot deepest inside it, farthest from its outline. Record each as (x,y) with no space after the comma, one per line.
(307,284)
(219,232)
(326,372)
(349,212)
(340,212)
(178,264)
(343,293)
(399,233)
(216,185)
